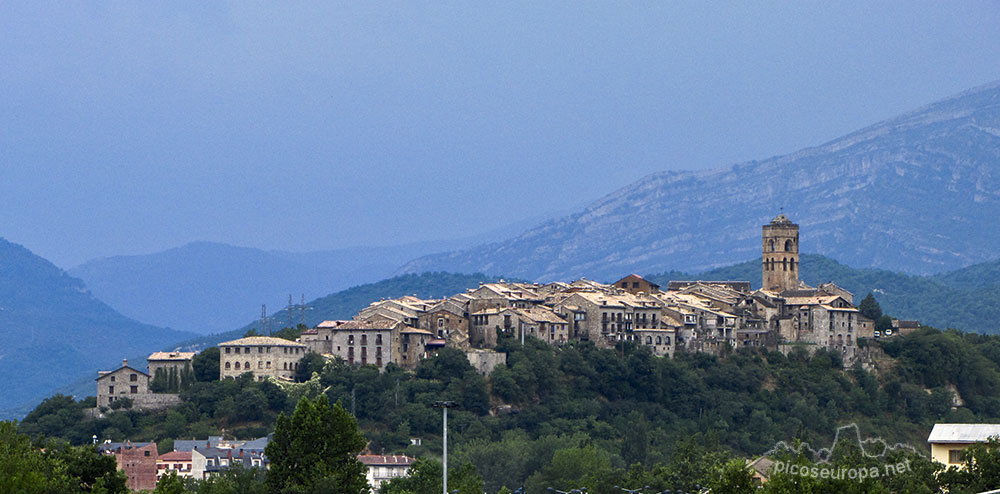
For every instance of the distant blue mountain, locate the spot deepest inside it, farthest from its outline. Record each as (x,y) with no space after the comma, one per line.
(208,287)
(919,194)
(54,331)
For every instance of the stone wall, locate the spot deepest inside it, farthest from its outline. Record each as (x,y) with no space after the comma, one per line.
(485,360)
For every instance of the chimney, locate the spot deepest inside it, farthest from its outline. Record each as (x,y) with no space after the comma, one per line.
(124,362)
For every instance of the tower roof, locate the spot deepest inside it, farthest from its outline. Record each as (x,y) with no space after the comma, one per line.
(781,219)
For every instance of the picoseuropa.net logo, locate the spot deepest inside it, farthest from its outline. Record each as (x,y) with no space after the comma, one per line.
(823,468)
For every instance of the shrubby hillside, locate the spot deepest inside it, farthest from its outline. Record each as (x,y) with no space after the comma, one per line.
(609,408)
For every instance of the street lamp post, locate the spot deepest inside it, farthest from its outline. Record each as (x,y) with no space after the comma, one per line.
(444,406)
(582,490)
(633,491)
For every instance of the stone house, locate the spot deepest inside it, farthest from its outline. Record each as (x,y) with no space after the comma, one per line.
(169,362)
(542,323)
(137,460)
(660,341)
(636,285)
(263,356)
(125,382)
(365,342)
(448,319)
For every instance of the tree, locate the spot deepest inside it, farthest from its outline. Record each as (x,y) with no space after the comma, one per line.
(316,448)
(869,307)
(312,362)
(206,365)
(883,323)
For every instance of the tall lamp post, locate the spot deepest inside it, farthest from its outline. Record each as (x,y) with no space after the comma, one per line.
(444,406)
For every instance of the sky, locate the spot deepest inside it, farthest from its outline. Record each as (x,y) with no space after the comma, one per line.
(133,127)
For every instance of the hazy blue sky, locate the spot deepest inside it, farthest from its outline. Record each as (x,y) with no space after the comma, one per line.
(132,127)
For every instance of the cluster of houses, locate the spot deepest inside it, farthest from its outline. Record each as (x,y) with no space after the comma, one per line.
(692,316)
(689,316)
(199,459)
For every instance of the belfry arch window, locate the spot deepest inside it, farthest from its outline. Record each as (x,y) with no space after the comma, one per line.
(788,245)
(770,244)
(784,263)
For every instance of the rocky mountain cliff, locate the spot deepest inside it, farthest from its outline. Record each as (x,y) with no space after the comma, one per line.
(919,193)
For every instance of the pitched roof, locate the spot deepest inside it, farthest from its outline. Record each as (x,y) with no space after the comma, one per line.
(175,456)
(103,374)
(963,433)
(329,324)
(381,460)
(181,356)
(261,341)
(367,325)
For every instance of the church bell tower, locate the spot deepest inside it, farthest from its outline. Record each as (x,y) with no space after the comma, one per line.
(780,255)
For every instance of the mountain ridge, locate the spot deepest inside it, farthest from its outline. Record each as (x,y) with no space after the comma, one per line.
(870,198)
(54,329)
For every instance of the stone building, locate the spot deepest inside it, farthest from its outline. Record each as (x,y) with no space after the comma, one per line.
(366,342)
(124,382)
(780,255)
(137,460)
(636,284)
(169,362)
(263,356)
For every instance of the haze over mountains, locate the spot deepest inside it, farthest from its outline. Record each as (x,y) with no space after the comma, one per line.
(919,193)
(209,287)
(54,331)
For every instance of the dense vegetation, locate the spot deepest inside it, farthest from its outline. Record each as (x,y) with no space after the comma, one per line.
(608,409)
(966,299)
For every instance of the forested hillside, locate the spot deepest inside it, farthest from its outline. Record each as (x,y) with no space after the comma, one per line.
(966,299)
(606,407)
(53,330)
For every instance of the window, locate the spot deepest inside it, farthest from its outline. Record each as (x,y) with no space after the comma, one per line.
(133,377)
(364,339)
(247,365)
(246,350)
(268,364)
(649,340)
(236,350)
(260,364)
(237,366)
(635,284)
(112,378)
(260,349)
(228,366)
(624,284)
(111,390)
(145,453)
(350,339)
(378,339)
(955,456)
(133,389)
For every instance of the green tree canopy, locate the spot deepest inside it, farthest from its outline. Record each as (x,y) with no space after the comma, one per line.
(316,449)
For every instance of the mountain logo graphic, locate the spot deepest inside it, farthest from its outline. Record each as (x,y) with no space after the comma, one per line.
(870,447)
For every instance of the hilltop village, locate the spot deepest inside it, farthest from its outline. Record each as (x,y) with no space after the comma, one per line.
(689,316)
(684,316)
